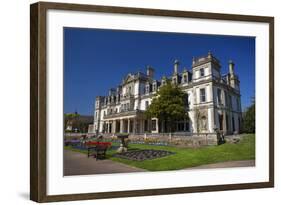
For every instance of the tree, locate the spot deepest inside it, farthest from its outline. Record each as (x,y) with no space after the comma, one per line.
(249,122)
(168,105)
(70,118)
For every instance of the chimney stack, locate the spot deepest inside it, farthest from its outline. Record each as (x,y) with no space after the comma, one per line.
(231,67)
(149,71)
(176,66)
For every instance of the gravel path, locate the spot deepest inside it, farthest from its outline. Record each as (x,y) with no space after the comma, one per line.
(76,163)
(244,163)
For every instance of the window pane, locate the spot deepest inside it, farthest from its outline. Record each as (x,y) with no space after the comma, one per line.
(202,72)
(202,95)
(153,125)
(219,96)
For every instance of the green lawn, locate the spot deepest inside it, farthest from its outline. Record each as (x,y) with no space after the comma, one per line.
(188,157)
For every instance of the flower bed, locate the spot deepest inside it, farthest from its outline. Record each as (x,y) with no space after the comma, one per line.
(72,142)
(95,143)
(146,154)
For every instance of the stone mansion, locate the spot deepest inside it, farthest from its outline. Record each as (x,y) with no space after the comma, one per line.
(214,100)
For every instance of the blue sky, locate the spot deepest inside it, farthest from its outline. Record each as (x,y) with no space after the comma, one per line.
(96,60)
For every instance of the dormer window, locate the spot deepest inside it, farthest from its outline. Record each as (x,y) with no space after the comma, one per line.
(184,79)
(147,89)
(154,87)
(175,81)
(202,72)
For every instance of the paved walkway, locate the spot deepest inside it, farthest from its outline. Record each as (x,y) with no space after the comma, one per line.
(76,163)
(244,163)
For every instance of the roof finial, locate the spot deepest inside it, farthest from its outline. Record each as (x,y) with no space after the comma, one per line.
(193,60)
(209,54)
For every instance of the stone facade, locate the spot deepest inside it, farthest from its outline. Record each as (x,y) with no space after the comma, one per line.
(214,101)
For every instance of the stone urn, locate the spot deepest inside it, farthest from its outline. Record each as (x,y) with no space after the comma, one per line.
(122,147)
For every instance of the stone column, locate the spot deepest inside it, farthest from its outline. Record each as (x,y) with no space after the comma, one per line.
(107,127)
(157,125)
(121,125)
(114,126)
(137,125)
(142,126)
(128,125)
(224,122)
(211,93)
(134,125)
